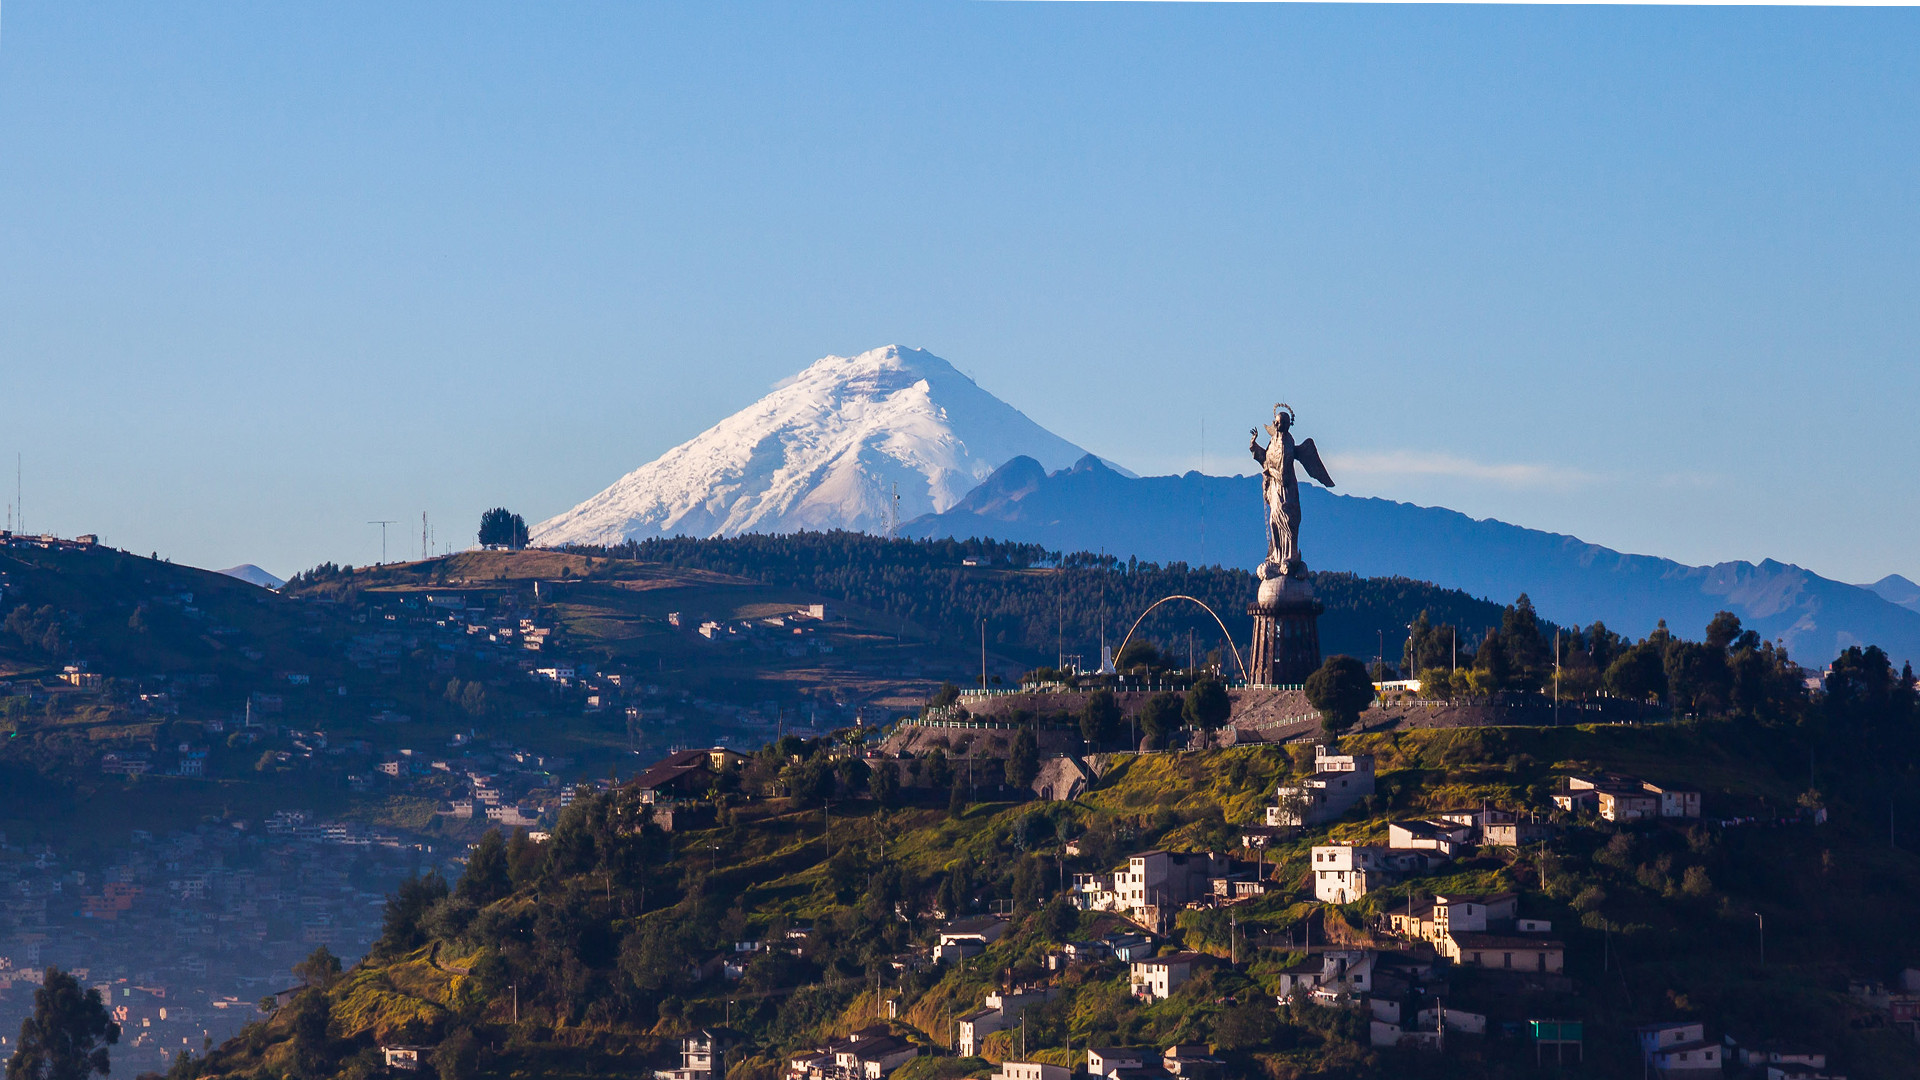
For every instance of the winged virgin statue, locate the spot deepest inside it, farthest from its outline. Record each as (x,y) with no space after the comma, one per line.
(1282,491)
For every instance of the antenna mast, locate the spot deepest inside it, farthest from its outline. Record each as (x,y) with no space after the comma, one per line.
(425,551)
(893,511)
(383,537)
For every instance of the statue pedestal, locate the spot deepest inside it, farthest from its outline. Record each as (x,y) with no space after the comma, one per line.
(1286,632)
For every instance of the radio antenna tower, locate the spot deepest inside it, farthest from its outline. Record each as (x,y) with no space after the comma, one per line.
(383,537)
(425,553)
(893,511)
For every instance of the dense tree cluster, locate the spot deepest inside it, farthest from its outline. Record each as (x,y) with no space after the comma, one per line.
(1729,672)
(500,527)
(42,630)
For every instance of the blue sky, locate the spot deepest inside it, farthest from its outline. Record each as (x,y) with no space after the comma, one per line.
(1648,276)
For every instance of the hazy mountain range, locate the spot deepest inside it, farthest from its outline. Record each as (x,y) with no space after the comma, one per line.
(1195,518)
(832,446)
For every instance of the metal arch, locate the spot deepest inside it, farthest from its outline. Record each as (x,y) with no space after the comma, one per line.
(1203,607)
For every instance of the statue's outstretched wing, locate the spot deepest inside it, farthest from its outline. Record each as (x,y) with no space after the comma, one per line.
(1309,459)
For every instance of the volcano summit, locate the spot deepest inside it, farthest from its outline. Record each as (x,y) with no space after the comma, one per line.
(822,451)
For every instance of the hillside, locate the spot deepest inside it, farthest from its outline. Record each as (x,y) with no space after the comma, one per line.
(603,929)
(1214,519)
(376,659)
(1037,603)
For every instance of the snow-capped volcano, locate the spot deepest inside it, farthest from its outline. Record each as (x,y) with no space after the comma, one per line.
(822,451)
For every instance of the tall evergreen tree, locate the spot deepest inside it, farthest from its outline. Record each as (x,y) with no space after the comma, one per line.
(486,878)
(1023,760)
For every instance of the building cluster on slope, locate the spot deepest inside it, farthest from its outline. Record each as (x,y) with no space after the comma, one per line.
(1401,977)
(183,932)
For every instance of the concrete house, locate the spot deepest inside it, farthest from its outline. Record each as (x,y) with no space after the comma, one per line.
(1191,1061)
(1338,782)
(1465,912)
(1158,977)
(1346,872)
(1675,802)
(1774,1053)
(1435,1017)
(1447,837)
(1680,1050)
(965,938)
(703,1055)
(999,1011)
(1031,1070)
(872,1058)
(1432,920)
(1152,886)
(1330,975)
(1504,952)
(1616,797)
(404,1058)
(1106,1060)
(1515,833)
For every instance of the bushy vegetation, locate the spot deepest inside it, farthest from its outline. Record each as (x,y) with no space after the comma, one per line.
(1729,672)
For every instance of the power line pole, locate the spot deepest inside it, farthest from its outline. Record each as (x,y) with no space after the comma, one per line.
(383,537)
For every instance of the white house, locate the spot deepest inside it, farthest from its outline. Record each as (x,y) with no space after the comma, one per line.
(703,1056)
(1031,1070)
(1191,1061)
(963,938)
(1446,837)
(1454,912)
(1346,872)
(1106,1060)
(1338,782)
(1159,976)
(404,1058)
(999,1011)
(1152,885)
(1330,976)
(1625,798)
(1434,1017)
(1501,952)
(1680,1050)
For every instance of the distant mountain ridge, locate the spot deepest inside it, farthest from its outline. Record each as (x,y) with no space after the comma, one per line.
(1208,519)
(825,449)
(1896,589)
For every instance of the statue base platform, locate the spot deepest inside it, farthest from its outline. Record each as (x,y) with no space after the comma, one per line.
(1286,632)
